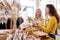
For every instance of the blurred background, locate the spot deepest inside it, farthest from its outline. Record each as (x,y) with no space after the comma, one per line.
(27,8)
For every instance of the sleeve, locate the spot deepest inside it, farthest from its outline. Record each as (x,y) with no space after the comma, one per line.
(48,27)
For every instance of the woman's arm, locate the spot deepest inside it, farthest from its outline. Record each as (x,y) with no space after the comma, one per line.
(48,27)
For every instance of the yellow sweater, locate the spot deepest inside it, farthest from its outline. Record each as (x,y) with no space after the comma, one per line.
(50,27)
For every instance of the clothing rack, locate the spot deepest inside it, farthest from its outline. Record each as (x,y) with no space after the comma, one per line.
(4,17)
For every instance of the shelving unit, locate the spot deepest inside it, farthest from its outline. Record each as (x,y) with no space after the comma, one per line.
(12,12)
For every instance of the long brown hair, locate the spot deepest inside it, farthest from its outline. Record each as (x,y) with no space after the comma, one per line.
(52,11)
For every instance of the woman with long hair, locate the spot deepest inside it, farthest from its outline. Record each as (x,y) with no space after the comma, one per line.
(38,16)
(52,23)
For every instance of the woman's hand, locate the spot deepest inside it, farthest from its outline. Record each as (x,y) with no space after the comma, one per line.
(30,19)
(34,23)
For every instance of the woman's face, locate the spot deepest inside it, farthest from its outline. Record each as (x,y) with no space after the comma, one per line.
(38,13)
(47,10)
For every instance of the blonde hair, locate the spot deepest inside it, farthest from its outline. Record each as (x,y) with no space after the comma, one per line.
(40,12)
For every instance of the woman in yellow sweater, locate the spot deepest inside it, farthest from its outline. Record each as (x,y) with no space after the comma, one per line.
(52,23)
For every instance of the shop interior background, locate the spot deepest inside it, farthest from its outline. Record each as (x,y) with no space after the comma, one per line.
(31,5)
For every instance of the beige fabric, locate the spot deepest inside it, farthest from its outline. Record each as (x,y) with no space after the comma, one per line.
(3,37)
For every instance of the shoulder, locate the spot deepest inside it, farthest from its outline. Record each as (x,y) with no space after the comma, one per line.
(42,19)
(53,18)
